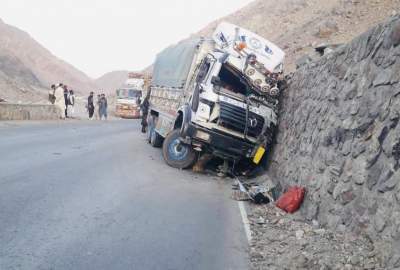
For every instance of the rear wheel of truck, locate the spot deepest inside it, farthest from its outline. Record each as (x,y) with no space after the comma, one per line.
(175,153)
(153,137)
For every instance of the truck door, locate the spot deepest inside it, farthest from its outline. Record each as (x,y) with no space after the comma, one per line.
(200,78)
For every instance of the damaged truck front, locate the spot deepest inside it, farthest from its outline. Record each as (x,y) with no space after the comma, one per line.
(217,95)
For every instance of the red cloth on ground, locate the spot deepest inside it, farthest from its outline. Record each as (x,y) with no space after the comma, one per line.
(291,200)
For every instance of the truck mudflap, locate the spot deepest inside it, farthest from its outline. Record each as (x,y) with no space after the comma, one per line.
(220,144)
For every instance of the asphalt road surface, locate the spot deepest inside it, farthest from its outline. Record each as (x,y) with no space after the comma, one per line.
(95,195)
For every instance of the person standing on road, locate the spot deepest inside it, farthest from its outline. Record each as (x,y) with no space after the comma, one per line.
(90,106)
(145,111)
(103,107)
(66,93)
(71,102)
(97,109)
(59,99)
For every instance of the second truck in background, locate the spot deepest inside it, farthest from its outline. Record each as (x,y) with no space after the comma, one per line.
(129,95)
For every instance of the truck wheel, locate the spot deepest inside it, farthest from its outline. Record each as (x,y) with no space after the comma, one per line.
(177,154)
(156,140)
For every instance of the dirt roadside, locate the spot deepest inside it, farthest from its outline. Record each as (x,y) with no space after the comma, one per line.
(285,241)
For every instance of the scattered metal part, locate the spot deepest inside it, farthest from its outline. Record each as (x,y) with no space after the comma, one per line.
(251,191)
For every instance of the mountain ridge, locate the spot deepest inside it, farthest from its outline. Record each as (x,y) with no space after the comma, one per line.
(47,68)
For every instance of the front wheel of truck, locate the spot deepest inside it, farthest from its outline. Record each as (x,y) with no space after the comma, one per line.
(175,153)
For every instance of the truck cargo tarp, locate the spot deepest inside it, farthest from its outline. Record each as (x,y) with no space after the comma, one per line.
(173,64)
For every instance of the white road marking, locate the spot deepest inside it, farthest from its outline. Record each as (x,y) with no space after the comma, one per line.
(245,221)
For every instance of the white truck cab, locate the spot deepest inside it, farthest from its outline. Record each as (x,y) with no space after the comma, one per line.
(222,100)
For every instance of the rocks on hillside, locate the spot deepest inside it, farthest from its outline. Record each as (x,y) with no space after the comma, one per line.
(281,241)
(326,29)
(340,137)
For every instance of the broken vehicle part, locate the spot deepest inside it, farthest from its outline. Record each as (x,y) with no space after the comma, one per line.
(254,192)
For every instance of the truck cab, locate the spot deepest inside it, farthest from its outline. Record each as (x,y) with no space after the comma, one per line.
(128,96)
(228,103)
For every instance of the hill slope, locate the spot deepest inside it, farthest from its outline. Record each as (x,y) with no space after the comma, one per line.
(296,25)
(109,82)
(33,65)
(17,82)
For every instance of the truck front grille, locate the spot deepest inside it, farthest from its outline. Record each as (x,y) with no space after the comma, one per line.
(234,118)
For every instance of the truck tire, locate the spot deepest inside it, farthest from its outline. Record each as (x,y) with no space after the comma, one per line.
(156,140)
(153,137)
(176,154)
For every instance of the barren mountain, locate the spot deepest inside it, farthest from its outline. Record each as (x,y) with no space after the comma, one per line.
(109,82)
(298,25)
(17,82)
(32,66)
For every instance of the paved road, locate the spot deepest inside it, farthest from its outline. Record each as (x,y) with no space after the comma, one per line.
(94,195)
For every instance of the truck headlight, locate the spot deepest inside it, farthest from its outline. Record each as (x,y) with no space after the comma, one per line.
(203,112)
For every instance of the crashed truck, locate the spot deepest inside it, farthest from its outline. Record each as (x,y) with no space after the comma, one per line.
(216,96)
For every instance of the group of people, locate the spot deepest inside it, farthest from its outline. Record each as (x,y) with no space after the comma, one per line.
(64,99)
(100,104)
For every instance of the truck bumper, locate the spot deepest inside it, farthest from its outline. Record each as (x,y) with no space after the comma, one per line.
(132,114)
(221,144)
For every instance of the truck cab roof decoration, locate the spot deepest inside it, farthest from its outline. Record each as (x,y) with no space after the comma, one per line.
(267,53)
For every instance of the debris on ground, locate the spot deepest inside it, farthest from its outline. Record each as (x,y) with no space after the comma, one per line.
(200,165)
(252,191)
(292,199)
(282,241)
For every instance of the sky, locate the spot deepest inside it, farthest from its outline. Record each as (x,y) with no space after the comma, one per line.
(99,36)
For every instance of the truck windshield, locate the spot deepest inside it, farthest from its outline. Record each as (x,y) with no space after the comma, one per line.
(231,81)
(129,93)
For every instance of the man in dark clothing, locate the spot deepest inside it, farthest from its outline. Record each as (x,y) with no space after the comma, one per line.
(52,97)
(145,111)
(66,100)
(90,106)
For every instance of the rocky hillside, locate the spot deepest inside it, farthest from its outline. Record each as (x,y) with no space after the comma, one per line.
(298,25)
(34,65)
(17,82)
(339,136)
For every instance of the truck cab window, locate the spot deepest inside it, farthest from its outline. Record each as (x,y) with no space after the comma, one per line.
(230,80)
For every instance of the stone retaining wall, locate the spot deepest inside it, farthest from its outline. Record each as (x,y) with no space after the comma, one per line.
(339,136)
